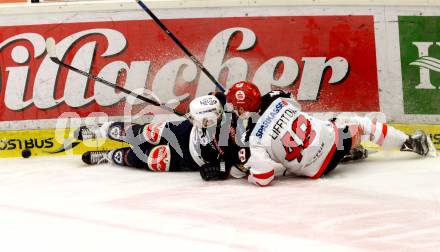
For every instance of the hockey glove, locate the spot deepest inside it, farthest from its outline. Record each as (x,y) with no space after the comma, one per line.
(214,171)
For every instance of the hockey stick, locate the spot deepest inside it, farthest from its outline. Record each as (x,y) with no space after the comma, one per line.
(51,51)
(71,143)
(181,46)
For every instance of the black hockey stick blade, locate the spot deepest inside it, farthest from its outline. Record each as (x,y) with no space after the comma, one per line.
(180,45)
(67,145)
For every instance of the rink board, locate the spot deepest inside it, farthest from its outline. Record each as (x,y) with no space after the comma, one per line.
(45,141)
(339,58)
(432,130)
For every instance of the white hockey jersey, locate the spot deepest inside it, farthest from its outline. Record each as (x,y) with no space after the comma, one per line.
(283,134)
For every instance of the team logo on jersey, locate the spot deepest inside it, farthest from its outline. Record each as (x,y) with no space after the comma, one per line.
(269,118)
(159,158)
(240,96)
(153,132)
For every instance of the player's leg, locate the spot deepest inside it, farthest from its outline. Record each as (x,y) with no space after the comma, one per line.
(173,133)
(124,156)
(118,131)
(388,137)
(140,136)
(344,145)
(112,130)
(116,156)
(151,145)
(159,158)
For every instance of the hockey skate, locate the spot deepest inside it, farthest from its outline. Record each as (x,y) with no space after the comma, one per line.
(112,130)
(357,153)
(115,156)
(96,157)
(419,143)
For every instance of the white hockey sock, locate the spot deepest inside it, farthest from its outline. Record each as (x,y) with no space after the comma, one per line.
(381,133)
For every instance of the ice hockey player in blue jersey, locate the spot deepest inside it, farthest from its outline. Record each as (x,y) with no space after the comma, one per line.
(205,142)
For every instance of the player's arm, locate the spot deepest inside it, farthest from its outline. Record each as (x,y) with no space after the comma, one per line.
(206,112)
(230,163)
(261,167)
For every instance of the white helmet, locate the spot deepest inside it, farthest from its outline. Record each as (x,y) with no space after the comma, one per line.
(205,111)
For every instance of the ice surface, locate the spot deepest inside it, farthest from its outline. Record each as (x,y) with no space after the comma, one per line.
(390,202)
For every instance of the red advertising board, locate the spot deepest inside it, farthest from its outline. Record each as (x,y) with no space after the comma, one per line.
(328,62)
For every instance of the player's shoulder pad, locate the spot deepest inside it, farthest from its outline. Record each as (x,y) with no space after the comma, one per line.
(270,97)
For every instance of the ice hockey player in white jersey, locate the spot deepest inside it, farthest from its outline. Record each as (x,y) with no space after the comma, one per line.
(304,145)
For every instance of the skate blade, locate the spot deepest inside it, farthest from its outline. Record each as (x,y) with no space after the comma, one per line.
(432,150)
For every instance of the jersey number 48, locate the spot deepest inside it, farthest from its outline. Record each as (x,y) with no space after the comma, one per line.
(303,129)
